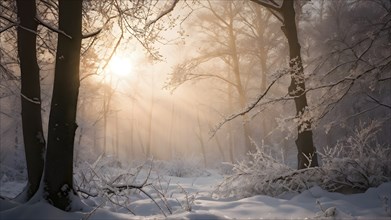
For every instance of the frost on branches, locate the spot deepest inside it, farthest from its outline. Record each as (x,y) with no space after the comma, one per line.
(358,162)
(353,165)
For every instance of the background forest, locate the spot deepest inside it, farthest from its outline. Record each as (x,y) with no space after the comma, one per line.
(276,96)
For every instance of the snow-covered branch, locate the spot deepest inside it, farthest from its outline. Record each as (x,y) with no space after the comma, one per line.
(54,29)
(92,34)
(270,4)
(12,24)
(33,100)
(250,106)
(164,13)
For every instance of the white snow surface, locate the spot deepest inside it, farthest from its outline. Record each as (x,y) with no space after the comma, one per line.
(314,203)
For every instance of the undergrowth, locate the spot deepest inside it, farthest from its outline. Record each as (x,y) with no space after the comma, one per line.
(353,165)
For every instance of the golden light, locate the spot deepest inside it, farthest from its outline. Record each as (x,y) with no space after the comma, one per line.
(120,66)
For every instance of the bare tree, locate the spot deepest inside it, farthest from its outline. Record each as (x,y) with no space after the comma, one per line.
(304,142)
(58,177)
(223,38)
(58,172)
(34,141)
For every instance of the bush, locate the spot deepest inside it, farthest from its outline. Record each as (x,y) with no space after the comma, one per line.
(264,174)
(356,163)
(182,166)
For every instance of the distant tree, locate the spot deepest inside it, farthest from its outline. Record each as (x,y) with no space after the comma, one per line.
(228,34)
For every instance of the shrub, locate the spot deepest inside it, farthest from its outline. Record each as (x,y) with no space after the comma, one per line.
(356,163)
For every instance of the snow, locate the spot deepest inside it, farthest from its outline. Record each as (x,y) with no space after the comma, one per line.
(310,204)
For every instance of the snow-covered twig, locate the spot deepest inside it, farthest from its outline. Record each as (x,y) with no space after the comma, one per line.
(162,194)
(34,100)
(189,200)
(10,25)
(88,215)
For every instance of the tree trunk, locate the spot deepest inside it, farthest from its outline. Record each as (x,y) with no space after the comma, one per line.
(201,139)
(116,136)
(132,133)
(230,135)
(34,141)
(149,128)
(58,177)
(239,86)
(220,147)
(170,142)
(304,141)
(104,123)
(107,95)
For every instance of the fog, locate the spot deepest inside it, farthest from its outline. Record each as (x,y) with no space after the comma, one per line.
(167,108)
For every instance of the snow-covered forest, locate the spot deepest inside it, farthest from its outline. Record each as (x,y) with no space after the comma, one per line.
(195,109)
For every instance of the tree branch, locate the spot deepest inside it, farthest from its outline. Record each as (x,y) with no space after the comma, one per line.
(10,25)
(14,24)
(378,102)
(274,6)
(247,109)
(170,9)
(48,26)
(84,36)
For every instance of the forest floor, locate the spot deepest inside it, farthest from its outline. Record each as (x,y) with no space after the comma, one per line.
(191,197)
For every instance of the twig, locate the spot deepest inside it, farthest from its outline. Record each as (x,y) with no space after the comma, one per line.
(92,212)
(378,102)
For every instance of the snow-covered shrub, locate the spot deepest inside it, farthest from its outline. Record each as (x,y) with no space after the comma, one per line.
(225,168)
(358,162)
(263,174)
(182,166)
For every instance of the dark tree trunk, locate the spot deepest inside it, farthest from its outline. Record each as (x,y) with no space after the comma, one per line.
(58,177)
(34,142)
(304,141)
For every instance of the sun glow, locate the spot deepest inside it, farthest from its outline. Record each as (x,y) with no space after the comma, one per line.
(120,66)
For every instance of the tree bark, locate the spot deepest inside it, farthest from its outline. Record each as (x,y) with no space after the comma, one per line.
(304,141)
(58,177)
(34,141)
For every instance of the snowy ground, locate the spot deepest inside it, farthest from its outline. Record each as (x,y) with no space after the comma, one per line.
(191,198)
